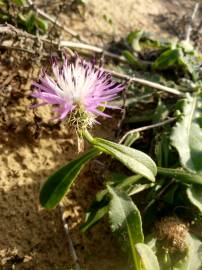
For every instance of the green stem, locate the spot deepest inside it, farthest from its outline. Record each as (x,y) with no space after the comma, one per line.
(182,175)
(129,181)
(88,136)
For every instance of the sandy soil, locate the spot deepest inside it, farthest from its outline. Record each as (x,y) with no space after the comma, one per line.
(32,148)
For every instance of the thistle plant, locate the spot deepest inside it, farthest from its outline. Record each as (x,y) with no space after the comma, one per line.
(79,94)
(79,90)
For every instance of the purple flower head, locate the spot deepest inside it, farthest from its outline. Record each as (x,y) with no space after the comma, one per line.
(79,90)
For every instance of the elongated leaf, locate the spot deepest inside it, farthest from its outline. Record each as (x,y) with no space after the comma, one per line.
(148,258)
(98,209)
(161,112)
(138,188)
(137,161)
(132,60)
(100,205)
(133,39)
(93,217)
(167,59)
(194,194)
(131,139)
(58,184)
(125,219)
(41,25)
(181,175)
(193,257)
(187,135)
(162,150)
(128,182)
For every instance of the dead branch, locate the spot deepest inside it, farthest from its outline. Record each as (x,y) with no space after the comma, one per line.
(145,83)
(14,32)
(189,26)
(76,45)
(71,246)
(146,128)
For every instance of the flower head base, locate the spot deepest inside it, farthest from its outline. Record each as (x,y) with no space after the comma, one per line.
(78,90)
(80,119)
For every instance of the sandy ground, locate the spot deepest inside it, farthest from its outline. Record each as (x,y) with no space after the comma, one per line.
(33,238)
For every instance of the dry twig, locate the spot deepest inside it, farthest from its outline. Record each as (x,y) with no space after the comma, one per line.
(120,123)
(145,83)
(132,131)
(13,31)
(192,18)
(71,246)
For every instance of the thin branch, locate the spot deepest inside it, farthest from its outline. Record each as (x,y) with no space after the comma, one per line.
(71,246)
(53,20)
(158,195)
(147,128)
(11,30)
(76,45)
(17,49)
(146,83)
(192,18)
(120,123)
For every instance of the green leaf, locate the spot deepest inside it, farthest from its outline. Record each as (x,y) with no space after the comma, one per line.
(97,211)
(27,21)
(193,257)
(30,22)
(132,60)
(19,2)
(167,59)
(126,220)
(59,183)
(186,62)
(131,138)
(4,17)
(161,112)
(80,2)
(100,205)
(137,161)
(138,188)
(162,149)
(147,42)
(186,136)
(148,258)
(169,197)
(41,24)
(133,39)
(128,182)
(181,175)
(194,194)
